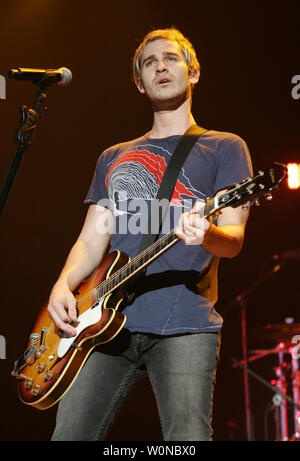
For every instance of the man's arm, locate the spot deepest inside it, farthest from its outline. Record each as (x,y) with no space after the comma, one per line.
(224,240)
(84,257)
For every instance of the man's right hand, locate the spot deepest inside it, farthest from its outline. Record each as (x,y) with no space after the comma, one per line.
(62,308)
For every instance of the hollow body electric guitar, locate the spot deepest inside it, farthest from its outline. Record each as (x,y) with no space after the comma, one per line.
(52,359)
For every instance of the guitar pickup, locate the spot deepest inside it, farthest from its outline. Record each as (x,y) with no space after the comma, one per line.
(62,332)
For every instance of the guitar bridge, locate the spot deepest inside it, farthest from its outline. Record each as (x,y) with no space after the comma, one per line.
(24,360)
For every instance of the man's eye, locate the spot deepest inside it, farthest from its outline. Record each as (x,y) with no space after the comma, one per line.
(171,58)
(148,63)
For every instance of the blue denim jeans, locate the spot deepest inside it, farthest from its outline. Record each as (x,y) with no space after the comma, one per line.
(181,370)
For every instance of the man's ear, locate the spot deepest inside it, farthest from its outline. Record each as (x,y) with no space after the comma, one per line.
(140,86)
(194,77)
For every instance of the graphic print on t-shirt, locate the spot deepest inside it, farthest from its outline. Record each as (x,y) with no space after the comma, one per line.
(170,300)
(138,174)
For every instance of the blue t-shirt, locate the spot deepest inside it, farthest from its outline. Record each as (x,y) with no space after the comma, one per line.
(179,291)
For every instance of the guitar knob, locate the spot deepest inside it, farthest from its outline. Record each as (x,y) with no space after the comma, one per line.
(48,375)
(36,390)
(269,197)
(28,383)
(256,202)
(41,367)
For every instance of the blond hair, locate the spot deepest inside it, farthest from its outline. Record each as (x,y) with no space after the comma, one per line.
(173,35)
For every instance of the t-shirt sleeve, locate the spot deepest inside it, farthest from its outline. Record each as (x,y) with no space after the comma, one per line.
(233,163)
(98,190)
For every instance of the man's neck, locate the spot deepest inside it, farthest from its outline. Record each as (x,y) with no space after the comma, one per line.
(171,122)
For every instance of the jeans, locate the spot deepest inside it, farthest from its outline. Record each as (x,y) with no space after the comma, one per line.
(181,370)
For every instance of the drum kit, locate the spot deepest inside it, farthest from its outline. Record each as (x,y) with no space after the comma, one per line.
(287,374)
(286,346)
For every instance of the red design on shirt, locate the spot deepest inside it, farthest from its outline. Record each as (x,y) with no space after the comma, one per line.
(146,167)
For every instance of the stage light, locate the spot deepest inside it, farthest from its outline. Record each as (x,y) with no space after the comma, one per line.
(293,175)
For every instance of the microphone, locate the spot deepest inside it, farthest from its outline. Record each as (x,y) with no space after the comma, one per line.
(62,76)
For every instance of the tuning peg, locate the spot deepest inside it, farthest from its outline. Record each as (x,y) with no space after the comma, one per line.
(256,202)
(269,197)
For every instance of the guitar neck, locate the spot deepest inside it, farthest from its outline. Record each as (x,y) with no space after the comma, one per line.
(143,259)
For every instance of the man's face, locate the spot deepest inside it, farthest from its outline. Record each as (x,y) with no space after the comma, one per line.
(165,77)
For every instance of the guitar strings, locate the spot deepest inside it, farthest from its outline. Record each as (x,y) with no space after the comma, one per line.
(115,277)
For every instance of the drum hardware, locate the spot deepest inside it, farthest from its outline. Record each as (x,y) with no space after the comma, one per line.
(279,333)
(241,301)
(278,399)
(287,373)
(296,389)
(281,418)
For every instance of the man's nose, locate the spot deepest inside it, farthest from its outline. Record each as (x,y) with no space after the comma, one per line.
(161,67)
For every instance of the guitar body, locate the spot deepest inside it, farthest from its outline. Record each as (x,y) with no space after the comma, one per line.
(53,360)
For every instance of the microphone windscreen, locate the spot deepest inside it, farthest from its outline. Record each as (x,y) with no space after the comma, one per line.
(67,76)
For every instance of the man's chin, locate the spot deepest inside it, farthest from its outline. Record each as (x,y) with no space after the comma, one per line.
(168,102)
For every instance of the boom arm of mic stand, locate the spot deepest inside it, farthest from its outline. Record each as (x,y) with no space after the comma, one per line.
(23,137)
(263,381)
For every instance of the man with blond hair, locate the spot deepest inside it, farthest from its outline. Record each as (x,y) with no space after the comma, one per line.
(172,331)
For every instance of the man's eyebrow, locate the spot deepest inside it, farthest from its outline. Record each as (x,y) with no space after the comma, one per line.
(152,56)
(166,53)
(170,53)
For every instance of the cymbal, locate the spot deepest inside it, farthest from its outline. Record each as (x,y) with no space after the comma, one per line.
(280,332)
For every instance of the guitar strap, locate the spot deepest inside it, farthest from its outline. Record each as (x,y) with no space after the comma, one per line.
(168,182)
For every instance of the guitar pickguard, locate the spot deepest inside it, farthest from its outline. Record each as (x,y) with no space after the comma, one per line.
(85,320)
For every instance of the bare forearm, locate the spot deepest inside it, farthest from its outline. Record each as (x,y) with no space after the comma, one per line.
(83,258)
(81,262)
(223,241)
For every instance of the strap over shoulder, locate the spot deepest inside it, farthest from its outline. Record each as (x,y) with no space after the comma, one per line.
(183,148)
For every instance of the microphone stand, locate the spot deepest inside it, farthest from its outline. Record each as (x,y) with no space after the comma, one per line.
(23,137)
(241,301)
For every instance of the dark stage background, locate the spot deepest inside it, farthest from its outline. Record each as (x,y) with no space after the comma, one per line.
(249,52)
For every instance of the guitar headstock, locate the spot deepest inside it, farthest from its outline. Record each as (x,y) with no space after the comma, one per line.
(251,189)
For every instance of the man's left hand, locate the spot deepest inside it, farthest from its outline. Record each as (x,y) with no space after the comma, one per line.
(192,227)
